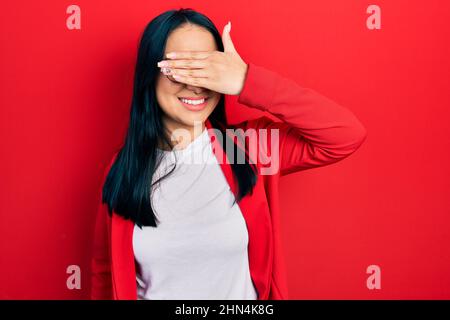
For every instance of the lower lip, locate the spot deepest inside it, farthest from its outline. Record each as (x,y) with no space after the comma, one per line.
(192,107)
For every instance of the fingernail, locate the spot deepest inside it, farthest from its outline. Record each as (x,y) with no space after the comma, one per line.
(163,64)
(229,28)
(170,55)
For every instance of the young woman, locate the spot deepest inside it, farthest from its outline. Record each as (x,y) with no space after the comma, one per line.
(170,229)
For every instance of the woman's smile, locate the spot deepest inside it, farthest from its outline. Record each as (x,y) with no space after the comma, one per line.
(194,103)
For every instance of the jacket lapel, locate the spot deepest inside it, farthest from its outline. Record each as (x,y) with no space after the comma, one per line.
(255,210)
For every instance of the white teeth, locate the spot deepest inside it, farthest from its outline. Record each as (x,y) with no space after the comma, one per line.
(193,102)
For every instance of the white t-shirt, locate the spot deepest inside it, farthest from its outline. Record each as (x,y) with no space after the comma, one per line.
(199,249)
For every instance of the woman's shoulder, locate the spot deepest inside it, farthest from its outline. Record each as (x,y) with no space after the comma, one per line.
(109,163)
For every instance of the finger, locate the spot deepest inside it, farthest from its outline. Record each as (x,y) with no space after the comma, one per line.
(198,82)
(188,54)
(183,64)
(192,73)
(228,45)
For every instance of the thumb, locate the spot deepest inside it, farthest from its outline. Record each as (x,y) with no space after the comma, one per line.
(226,38)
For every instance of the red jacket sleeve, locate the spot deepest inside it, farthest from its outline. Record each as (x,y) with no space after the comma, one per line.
(101,276)
(314,131)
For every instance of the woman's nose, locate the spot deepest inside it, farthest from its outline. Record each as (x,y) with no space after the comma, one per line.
(195,89)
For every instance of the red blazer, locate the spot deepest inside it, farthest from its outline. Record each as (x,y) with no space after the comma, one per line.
(314,131)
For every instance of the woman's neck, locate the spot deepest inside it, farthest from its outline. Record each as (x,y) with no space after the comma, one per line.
(180,135)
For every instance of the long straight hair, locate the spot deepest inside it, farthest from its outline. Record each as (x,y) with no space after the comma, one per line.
(128,185)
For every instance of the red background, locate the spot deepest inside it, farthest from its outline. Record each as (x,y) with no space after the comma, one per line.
(65,98)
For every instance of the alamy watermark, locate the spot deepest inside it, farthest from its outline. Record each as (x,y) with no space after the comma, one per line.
(260,147)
